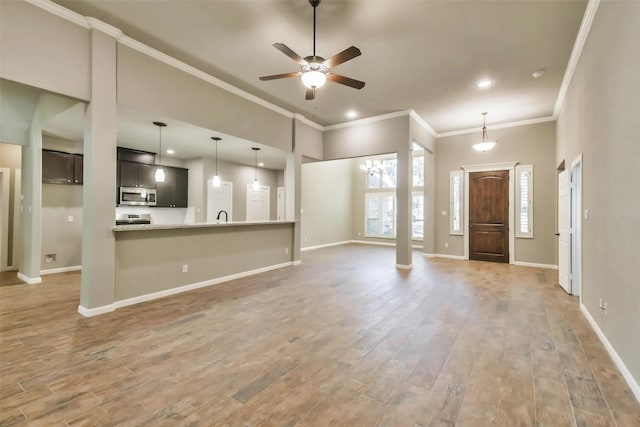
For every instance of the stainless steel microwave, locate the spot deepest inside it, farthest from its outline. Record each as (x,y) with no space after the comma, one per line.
(132,196)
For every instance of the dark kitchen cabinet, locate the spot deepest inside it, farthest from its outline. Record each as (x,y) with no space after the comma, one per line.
(59,167)
(172,193)
(132,174)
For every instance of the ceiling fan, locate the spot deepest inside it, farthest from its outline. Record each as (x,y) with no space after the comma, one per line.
(315,70)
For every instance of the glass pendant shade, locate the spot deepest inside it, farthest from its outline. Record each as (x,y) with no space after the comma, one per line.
(256,185)
(216,181)
(314,79)
(159,175)
(484,144)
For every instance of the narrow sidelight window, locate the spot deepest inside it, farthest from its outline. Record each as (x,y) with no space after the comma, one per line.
(455,202)
(524,202)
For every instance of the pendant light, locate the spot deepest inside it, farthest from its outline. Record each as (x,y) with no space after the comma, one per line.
(256,185)
(216,178)
(159,176)
(485,144)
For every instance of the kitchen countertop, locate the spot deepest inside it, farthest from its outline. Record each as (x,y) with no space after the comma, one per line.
(149,227)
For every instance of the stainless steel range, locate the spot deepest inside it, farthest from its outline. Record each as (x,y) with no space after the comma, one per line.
(128,219)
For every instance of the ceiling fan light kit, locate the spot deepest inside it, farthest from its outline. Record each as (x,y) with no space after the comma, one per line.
(315,70)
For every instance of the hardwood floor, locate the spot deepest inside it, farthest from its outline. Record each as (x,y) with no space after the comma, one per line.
(343,339)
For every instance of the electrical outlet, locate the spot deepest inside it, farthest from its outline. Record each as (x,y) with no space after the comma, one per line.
(49,258)
(286,250)
(185,268)
(444,213)
(70,218)
(446,245)
(586,214)
(600,303)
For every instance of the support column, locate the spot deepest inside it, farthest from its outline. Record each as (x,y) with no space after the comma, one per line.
(292,176)
(100,140)
(403,209)
(31,205)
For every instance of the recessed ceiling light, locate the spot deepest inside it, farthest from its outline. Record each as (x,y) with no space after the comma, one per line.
(351,114)
(170,151)
(260,164)
(485,84)
(537,74)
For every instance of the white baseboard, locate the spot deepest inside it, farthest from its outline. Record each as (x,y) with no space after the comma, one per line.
(371,242)
(426,255)
(29,280)
(326,245)
(60,270)
(533,264)
(461,257)
(297,262)
(404,267)
(198,285)
(633,384)
(90,312)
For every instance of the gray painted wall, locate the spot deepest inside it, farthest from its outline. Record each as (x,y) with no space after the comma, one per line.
(42,50)
(151,261)
(531,144)
(174,93)
(59,202)
(599,119)
(327,202)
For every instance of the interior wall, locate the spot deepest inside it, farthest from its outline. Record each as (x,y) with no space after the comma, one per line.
(240,176)
(61,215)
(599,119)
(56,57)
(11,159)
(528,145)
(326,202)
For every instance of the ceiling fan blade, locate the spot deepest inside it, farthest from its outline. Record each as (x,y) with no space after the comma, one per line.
(347,81)
(310,94)
(281,76)
(342,57)
(291,54)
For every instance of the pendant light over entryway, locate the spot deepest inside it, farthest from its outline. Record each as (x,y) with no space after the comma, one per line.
(485,144)
(216,178)
(159,175)
(256,185)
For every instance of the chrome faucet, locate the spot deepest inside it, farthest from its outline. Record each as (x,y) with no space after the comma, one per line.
(226,216)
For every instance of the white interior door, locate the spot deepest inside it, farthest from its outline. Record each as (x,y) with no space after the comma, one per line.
(564,205)
(281,205)
(258,203)
(219,199)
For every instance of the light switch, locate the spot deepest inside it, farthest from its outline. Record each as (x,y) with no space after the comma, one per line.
(444,213)
(586,214)
(70,218)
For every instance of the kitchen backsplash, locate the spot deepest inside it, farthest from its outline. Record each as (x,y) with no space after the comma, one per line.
(160,215)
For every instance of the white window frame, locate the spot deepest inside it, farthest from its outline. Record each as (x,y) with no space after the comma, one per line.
(380,195)
(456,203)
(417,193)
(524,169)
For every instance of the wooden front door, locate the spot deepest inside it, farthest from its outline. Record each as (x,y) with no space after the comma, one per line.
(489,216)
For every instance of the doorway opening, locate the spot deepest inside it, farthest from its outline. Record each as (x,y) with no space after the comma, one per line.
(570,228)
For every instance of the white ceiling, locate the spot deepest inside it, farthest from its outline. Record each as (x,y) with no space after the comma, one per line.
(416,54)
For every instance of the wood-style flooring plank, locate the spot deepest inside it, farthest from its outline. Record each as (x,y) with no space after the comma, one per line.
(344,339)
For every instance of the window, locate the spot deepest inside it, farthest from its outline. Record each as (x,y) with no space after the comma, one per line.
(385,177)
(380,212)
(524,201)
(455,202)
(418,170)
(417,216)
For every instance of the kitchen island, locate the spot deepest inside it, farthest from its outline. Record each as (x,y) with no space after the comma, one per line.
(153,261)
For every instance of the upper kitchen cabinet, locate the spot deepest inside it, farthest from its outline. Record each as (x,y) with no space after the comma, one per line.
(133,174)
(59,167)
(172,193)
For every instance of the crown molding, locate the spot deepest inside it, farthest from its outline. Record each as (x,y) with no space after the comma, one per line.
(96,24)
(366,120)
(500,126)
(61,11)
(308,122)
(422,122)
(581,38)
